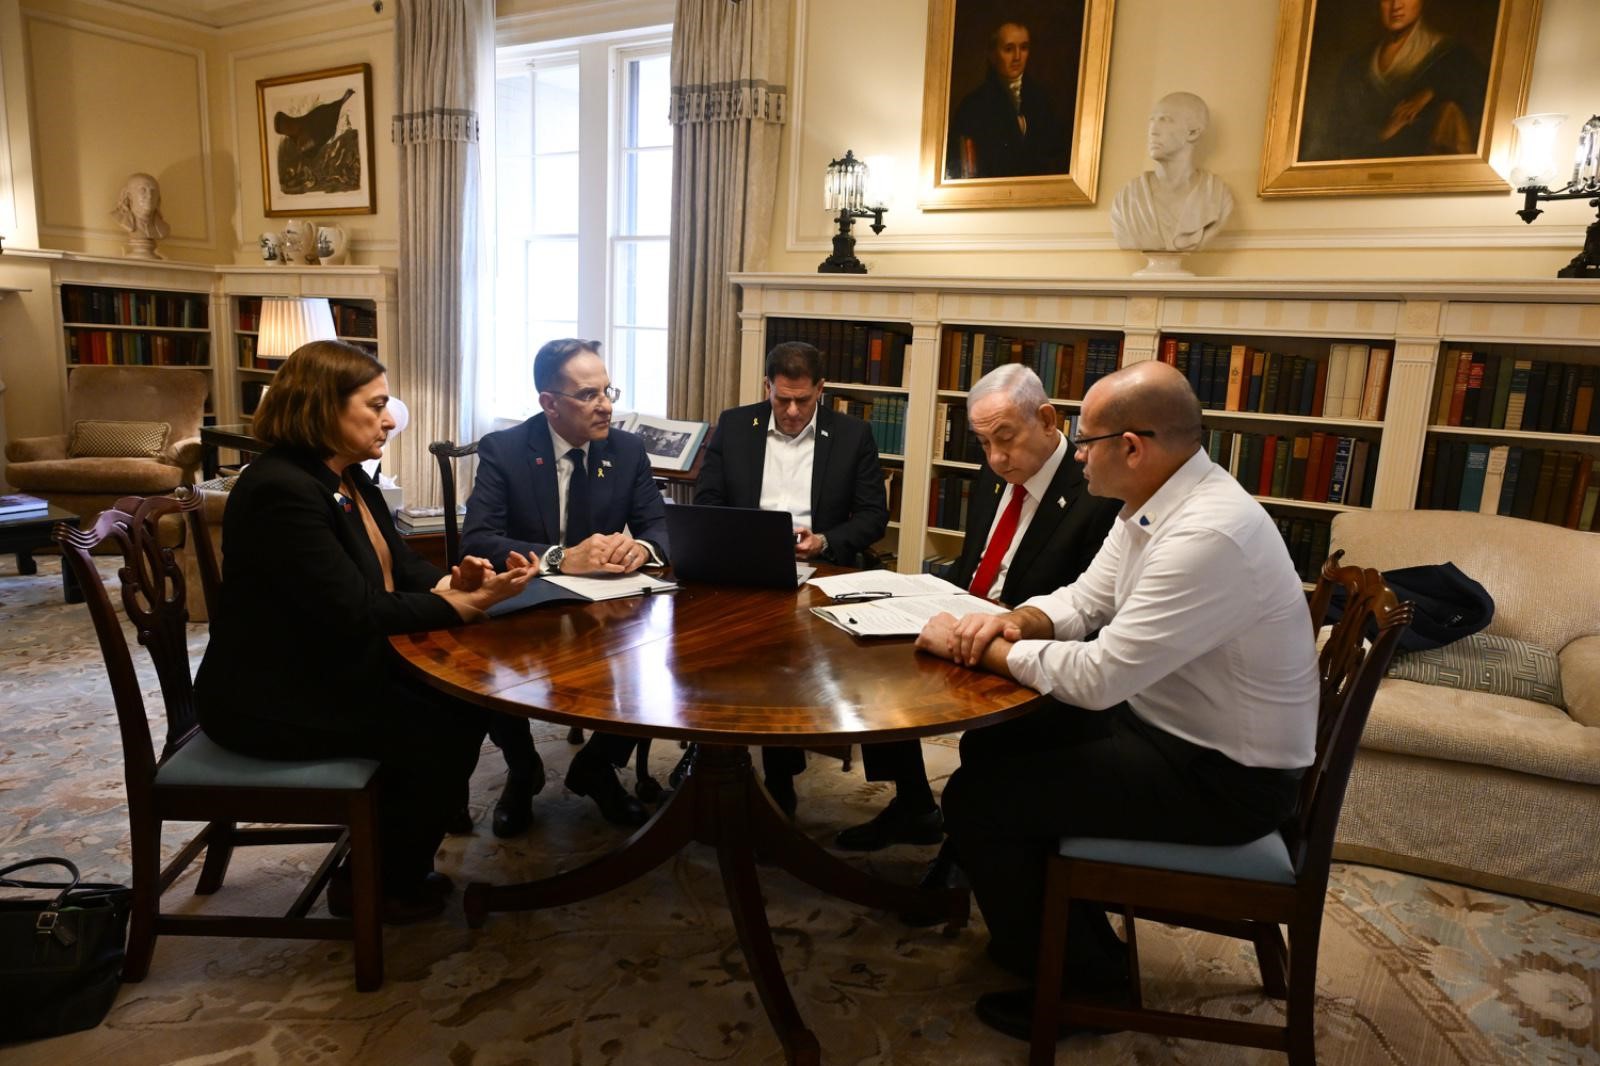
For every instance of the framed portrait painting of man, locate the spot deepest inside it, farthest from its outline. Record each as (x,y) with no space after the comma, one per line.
(316,142)
(1013,102)
(1396,96)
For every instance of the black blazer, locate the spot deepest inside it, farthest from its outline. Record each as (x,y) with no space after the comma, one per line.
(1059,544)
(848,503)
(515,505)
(300,637)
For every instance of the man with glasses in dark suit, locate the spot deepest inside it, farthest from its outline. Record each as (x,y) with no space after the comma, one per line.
(567,488)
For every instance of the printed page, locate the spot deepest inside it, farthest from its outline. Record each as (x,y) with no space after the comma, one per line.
(609,586)
(903,617)
(885,583)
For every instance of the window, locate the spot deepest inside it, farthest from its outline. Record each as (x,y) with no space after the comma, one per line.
(584,185)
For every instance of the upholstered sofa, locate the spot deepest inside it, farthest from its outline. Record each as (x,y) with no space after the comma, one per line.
(84,475)
(1495,791)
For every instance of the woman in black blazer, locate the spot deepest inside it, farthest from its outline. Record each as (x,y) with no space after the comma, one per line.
(314,581)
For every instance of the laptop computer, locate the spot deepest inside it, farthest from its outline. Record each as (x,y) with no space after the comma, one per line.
(734,546)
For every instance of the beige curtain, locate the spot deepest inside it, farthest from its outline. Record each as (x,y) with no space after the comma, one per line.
(436,128)
(730,65)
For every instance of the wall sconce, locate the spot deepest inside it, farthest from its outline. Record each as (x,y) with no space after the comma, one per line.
(1535,171)
(289,322)
(847,193)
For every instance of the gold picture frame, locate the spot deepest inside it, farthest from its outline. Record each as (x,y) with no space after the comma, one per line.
(1064,35)
(316,143)
(1437,121)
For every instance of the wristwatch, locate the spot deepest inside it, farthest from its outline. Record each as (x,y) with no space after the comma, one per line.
(552,559)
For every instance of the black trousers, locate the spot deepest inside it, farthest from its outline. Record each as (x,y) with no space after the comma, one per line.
(1062,770)
(899,761)
(514,737)
(426,744)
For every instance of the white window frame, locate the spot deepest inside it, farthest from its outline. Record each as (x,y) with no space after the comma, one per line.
(601,60)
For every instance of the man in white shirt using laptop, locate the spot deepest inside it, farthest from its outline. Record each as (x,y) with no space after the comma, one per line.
(1188,718)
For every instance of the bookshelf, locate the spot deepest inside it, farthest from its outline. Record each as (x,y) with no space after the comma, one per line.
(361,297)
(1313,325)
(114,313)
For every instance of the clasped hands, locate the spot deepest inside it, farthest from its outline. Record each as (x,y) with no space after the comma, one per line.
(971,639)
(605,553)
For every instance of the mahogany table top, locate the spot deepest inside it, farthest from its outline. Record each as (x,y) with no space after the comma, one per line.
(714,664)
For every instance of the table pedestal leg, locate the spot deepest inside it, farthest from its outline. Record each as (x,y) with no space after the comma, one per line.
(722,805)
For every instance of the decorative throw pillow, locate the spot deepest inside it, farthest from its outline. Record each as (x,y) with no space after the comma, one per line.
(1484,663)
(117,440)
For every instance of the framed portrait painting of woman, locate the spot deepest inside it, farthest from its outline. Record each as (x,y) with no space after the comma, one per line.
(1396,96)
(1013,101)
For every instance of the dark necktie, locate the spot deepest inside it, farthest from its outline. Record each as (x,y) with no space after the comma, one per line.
(579,522)
(999,543)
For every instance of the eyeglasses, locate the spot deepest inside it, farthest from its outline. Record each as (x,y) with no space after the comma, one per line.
(590,397)
(1079,442)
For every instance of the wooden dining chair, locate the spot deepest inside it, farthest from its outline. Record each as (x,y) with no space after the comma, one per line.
(332,801)
(446,452)
(1246,891)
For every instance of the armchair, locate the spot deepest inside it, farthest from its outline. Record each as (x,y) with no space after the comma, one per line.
(88,484)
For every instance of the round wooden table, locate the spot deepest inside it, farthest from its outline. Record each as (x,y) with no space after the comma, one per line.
(727,668)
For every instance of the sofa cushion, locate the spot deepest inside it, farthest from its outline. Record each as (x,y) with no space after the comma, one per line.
(1580,672)
(1433,722)
(1483,662)
(114,477)
(99,438)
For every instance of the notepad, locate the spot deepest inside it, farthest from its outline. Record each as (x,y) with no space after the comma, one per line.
(568,588)
(875,584)
(900,616)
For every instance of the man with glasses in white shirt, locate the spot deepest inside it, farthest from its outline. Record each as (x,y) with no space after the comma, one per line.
(1188,717)
(567,488)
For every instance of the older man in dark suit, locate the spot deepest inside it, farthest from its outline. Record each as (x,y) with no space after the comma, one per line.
(1032,528)
(568,488)
(792,453)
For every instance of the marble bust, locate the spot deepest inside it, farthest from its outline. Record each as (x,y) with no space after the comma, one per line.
(138,211)
(1176,207)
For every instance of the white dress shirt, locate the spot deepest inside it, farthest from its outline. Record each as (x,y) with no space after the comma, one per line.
(1036,487)
(1203,625)
(786,472)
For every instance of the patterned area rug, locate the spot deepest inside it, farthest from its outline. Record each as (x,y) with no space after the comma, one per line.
(1412,972)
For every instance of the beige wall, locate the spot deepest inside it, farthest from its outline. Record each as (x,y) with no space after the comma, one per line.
(863,91)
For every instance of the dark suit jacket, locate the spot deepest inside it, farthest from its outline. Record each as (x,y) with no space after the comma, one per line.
(515,506)
(848,504)
(300,637)
(1059,544)
(988,118)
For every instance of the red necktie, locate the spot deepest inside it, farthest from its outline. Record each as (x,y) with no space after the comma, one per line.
(999,543)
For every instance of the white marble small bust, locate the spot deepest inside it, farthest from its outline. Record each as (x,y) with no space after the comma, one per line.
(1176,207)
(138,211)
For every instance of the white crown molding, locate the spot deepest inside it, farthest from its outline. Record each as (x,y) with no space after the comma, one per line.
(213,17)
(1458,237)
(288,44)
(203,98)
(578,19)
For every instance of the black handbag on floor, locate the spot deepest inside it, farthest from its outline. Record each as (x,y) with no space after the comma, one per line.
(60,958)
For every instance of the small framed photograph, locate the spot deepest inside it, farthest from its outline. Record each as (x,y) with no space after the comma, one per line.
(1013,101)
(316,143)
(1406,96)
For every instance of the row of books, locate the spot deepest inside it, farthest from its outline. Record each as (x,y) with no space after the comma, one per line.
(1315,467)
(851,351)
(1351,382)
(948,499)
(1541,484)
(349,319)
(1307,538)
(885,415)
(1067,368)
(123,307)
(115,348)
(1492,391)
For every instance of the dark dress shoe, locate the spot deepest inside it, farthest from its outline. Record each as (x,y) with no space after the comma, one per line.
(575,735)
(513,811)
(597,780)
(898,823)
(459,824)
(942,874)
(1011,1013)
(781,788)
(396,908)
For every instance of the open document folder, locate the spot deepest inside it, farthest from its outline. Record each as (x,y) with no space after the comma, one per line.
(564,588)
(880,603)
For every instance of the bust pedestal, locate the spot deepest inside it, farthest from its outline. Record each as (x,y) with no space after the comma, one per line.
(1163,265)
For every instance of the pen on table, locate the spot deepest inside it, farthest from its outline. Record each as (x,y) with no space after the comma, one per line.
(860,597)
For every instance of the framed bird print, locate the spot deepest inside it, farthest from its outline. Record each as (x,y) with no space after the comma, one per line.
(316,142)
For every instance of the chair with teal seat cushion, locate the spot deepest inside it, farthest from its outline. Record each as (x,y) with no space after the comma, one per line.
(332,801)
(1247,891)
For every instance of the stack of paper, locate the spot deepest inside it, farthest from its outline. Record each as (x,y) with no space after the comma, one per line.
(878,603)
